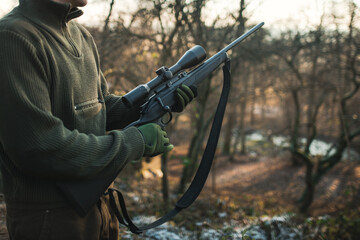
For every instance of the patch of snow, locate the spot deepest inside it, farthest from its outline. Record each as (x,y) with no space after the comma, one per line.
(318,147)
(280,141)
(255,232)
(256,136)
(163,232)
(279,227)
(210,234)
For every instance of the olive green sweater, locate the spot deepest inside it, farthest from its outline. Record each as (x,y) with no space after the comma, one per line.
(55,106)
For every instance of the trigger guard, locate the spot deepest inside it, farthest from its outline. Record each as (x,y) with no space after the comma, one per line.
(167,122)
(166,109)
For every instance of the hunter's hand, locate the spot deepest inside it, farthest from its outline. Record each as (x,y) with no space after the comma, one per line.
(156,140)
(184,95)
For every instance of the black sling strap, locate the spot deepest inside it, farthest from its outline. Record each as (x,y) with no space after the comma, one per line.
(201,175)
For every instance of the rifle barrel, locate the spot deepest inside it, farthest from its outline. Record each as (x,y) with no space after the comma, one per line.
(237,41)
(242,37)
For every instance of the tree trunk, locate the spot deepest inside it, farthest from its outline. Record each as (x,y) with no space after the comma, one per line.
(308,195)
(295,129)
(228,130)
(252,103)
(243,105)
(325,164)
(235,144)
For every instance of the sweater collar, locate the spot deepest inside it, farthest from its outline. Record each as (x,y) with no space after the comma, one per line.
(48,12)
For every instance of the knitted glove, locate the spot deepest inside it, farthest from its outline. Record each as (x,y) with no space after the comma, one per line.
(156,140)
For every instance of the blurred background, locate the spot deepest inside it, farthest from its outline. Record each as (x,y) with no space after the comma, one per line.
(288,161)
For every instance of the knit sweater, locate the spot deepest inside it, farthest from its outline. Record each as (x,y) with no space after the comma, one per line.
(55,106)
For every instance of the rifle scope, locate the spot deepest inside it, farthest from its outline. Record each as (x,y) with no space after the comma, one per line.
(191,58)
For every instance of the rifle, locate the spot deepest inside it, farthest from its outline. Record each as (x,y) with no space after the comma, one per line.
(157,97)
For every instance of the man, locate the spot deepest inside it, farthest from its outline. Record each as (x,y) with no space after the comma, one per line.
(55,109)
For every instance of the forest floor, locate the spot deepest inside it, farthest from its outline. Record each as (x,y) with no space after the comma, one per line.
(247,188)
(265,183)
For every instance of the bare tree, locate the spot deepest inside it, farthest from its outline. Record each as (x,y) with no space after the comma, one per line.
(348,85)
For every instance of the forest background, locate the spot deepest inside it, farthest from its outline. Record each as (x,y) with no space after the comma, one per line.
(290,143)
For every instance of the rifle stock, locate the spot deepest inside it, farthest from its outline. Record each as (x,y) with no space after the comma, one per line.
(159,96)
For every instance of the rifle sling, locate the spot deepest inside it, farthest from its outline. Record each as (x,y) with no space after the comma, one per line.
(201,175)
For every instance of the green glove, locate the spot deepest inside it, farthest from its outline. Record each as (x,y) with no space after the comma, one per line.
(156,141)
(184,95)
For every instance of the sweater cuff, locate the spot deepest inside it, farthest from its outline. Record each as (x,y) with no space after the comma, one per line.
(134,136)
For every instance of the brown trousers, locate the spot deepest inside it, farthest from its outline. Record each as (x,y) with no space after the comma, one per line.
(63,223)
